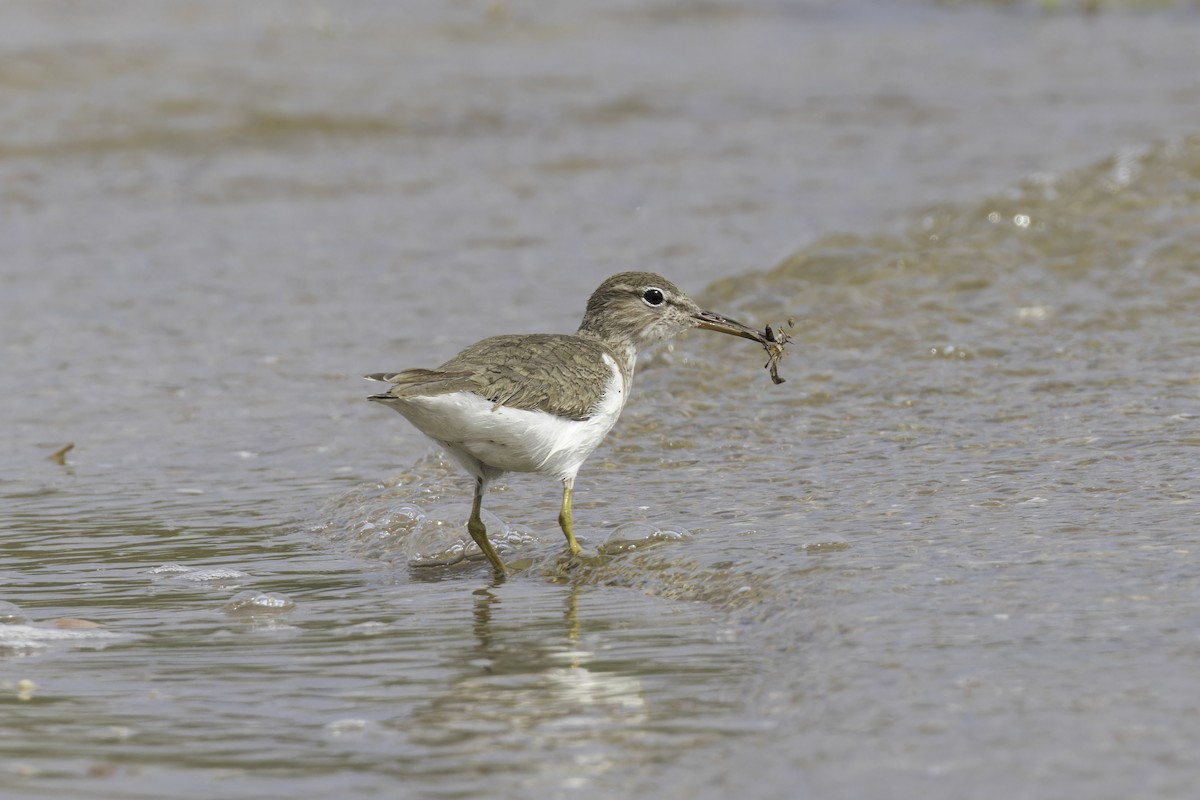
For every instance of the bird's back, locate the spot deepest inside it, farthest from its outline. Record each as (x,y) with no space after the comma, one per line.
(560,374)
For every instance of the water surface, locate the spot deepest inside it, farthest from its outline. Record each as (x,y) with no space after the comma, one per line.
(954,555)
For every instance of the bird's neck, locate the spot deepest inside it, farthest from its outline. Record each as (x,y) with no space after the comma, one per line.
(622,349)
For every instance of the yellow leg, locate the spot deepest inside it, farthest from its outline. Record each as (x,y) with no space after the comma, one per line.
(478,531)
(564,518)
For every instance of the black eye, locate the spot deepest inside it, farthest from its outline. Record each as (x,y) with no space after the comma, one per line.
(653,297)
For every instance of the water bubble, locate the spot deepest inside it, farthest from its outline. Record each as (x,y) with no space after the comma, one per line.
(20,638)
(10,614)
(403,516)
(222,576)
(441,537)
(169,569)
(216,576)
(639,536)
(258,604)
(1033,312)
(341,727)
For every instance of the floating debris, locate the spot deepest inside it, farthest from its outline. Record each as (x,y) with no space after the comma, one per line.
(59,456)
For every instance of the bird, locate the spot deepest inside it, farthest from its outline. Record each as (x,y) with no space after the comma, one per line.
(542,402)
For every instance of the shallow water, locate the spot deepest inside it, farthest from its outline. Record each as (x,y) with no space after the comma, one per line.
(955,554)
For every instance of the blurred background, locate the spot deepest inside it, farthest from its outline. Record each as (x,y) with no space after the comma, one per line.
(954,554)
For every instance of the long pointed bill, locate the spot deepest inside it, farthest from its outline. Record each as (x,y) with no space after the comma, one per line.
(715,322)
(771,340)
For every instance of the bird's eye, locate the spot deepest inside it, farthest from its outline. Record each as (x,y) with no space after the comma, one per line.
(653,297)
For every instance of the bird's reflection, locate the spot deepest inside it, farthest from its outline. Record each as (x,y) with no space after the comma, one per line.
(566,648)
(530,681)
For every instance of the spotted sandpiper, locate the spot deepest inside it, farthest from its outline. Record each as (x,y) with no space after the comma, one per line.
(542,402)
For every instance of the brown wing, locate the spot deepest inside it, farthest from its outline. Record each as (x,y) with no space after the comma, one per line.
(557,373)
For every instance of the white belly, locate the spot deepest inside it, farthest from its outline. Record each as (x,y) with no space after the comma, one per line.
(512,439)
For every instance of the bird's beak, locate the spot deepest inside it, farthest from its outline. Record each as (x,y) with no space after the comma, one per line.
(715,322)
